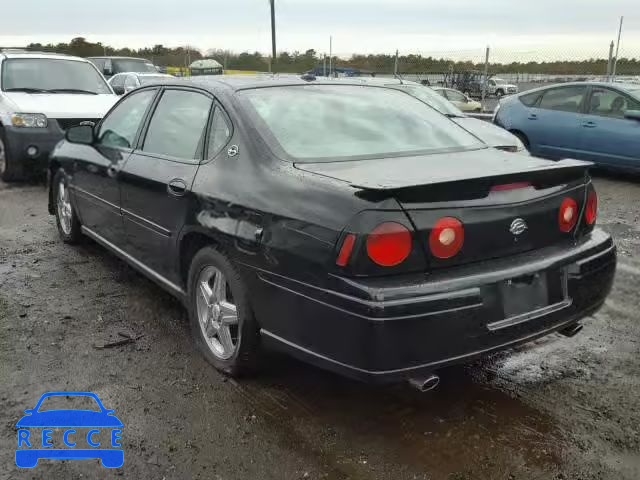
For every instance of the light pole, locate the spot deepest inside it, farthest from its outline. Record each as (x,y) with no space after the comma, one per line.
(273,30)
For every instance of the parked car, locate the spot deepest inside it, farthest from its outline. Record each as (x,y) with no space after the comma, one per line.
(125,82)
(459,99)
(490,134)
(41,96)
(109,66)
(343,223)
(593,121)
(498,87)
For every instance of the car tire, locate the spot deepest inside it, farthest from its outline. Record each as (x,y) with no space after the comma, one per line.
(9,171)
(210,298)
(67,220)
(499,93)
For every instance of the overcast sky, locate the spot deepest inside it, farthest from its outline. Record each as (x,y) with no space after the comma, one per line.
(540,28)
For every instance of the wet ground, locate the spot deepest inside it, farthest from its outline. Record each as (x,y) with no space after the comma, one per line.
(556,409)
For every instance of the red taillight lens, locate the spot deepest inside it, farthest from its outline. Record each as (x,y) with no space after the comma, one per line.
(389,244)
(591,211)
(346,249)
(568,214)
(446,237)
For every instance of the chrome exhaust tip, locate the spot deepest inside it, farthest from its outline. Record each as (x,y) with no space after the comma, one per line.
(424,384)
(571,330)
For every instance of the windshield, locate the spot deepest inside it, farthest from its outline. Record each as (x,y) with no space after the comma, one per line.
(64,402)
(149,79)
(431,98)
(47,74)
(132,65)
(332,123)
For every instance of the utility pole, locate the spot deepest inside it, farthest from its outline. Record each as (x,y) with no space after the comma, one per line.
(486,77)
(395,65)
(330,53)
(273,30)
(610,63)
(615,60)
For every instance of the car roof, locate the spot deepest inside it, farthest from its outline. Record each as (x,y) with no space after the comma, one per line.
(27,54)
(121,58)
(618,85)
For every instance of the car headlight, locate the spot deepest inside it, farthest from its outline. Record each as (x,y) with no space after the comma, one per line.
(29,120)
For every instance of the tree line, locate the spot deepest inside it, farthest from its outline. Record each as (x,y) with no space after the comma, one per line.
(297,62)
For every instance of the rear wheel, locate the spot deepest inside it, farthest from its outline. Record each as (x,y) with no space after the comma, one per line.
(220,314)
(66,218)
(8,170)
(499,93)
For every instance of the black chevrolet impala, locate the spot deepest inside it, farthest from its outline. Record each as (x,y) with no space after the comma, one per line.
(351,226)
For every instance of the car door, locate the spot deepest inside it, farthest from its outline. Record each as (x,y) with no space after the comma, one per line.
(606,136)
(156,181)
(96,167)
(552,124)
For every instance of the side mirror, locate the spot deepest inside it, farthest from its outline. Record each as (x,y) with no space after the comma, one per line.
(632,114)
(81,134)
(119,90)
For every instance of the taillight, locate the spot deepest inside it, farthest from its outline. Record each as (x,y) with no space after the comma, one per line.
(446,237)
(389,244)
(568,214)
(591,211)
(346,249)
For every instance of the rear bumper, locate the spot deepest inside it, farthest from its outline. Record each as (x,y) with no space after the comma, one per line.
(390,329)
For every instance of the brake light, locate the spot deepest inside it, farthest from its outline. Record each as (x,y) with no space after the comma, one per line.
(446,237)
(389,244)
(568,214)
(346,249)
(591,210)
(510,186)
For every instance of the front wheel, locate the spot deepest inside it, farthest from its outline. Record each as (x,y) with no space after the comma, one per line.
(499,93)
(8,169)
(221,317)
(66,217)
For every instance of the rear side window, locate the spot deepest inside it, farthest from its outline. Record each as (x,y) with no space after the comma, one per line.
(178,124)
(119,128)
(530,99)
(219,134)
(563,99)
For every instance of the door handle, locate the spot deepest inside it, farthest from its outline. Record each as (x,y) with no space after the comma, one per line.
(533,116)
(589,124)
(177,187)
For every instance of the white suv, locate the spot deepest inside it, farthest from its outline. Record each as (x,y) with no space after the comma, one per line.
(41,96)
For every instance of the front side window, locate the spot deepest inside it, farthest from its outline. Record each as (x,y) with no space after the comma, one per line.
(52,75)
(178,124)
(119,128)
(131,82)
(564,99)
(117,81)
(610,103)
(332,123)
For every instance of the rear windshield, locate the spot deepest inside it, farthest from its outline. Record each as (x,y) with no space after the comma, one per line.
(48,74)
(132,65)
(332,123)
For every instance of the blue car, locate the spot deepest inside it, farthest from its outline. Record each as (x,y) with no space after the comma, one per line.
(594,121)
(36,438)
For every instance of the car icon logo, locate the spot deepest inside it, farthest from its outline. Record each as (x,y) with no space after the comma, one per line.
(69,433)
(518,226)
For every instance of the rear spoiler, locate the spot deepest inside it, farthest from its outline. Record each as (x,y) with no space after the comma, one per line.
(566,167)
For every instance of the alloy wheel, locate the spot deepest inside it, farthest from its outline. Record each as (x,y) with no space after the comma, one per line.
(64,207)
(217,313)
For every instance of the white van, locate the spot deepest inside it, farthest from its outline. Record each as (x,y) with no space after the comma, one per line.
(41,96)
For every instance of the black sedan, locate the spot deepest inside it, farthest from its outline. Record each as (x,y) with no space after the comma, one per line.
(349,225)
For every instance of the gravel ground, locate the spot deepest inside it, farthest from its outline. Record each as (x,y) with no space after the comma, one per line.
(556,409)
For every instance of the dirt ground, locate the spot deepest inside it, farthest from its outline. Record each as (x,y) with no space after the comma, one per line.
(556,409)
